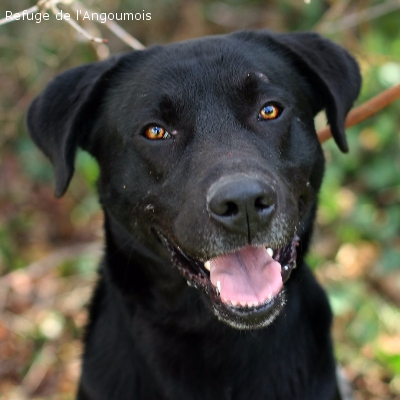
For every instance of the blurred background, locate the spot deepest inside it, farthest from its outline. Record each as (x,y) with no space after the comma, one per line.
(49,248)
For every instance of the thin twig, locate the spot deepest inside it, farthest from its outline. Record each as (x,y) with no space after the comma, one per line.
(334,12)
(114,28)
(41,267)
(77,27)
(356,18)
(365,110)
(29,11)
(39,368)
(51,5)
(124,35)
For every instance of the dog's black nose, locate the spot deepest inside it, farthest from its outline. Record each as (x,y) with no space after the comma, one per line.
(241,202)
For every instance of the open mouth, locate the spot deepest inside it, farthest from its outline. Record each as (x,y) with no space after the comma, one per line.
(245,286)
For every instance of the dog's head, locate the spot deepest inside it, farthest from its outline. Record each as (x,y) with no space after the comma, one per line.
(208,147)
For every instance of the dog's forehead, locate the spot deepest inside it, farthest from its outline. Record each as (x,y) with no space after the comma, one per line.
(204,64)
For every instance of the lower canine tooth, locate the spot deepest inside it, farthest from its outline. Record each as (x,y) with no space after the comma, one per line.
(207,265)
(270,251)
(218,287)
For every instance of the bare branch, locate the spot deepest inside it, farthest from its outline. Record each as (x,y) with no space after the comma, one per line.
(38,370)
(29,11)
(356,18)
(124,35)
(77,27)
(115,28)
(41,267)
(334,12)
(51,5)
(365,110)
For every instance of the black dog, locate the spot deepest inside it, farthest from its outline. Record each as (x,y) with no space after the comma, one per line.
(209,174)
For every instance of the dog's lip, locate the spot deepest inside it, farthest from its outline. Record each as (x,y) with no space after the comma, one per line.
(198,276)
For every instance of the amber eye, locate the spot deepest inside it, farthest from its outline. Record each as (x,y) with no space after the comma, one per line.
(270,111)
(155,132)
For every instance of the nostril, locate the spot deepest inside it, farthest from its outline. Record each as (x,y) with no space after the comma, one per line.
(263,202)
(225,209)
(231,209)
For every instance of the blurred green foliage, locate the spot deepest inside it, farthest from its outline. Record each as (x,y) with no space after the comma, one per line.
(356,250)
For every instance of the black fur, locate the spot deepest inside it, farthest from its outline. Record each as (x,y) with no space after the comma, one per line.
(150,336)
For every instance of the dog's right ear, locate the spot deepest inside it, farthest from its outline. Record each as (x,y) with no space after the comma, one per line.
(61,118)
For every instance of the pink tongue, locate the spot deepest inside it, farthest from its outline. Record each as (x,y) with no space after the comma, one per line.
(248,276)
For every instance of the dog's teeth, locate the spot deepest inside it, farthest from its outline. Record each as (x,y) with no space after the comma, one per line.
(255,304)
(234,303)
(207,265)
(243,303)
(218,287)
(270,251)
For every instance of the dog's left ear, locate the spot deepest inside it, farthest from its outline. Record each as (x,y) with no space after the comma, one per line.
(61,118)
(333,74)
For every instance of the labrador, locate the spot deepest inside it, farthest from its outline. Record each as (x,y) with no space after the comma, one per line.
(210,168)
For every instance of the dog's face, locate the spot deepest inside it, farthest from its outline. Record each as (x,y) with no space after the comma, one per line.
(208,154)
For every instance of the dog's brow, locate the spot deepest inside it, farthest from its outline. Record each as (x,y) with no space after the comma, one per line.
(169,109)
(250,86)
(263,77)
(255,79)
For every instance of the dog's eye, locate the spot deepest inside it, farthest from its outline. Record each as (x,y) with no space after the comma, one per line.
(270,111)
(154,132)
